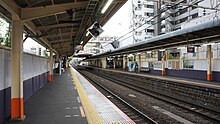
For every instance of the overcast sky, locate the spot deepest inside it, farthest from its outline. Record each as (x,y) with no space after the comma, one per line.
(119,23)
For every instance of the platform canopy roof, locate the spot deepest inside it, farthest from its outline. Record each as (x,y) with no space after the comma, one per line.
(196,35)
(60,24)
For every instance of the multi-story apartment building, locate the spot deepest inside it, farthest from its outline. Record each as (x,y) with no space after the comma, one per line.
(142,16)
(173,14)
(99,45)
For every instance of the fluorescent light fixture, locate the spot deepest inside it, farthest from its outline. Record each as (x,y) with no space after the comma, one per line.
(81,42)
(106,6)
(87,34)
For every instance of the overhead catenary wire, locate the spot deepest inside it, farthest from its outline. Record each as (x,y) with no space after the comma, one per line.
(134,29)
(172,5)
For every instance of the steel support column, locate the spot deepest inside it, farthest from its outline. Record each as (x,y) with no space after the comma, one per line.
(163,62)
(104,62)
(124,63)
(51,65)
(114,61)
(139,63)
(209,59)
(17,100)
(60,63)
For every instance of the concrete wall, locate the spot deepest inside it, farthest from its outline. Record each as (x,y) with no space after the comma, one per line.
(35,75)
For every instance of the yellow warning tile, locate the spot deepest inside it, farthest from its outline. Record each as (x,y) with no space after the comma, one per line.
(92,115)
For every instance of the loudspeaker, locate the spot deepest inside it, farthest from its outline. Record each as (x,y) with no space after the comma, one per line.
(95,30)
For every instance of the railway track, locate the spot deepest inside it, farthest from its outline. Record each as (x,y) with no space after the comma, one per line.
(136,115)
(214,116)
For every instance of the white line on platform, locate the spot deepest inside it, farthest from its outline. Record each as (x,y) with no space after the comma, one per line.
(75,107)
(67,116)
(82,111)
(78,99)
(176,117)
(67,108)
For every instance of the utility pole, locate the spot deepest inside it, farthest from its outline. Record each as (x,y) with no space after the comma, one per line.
(157,20)
(133,21)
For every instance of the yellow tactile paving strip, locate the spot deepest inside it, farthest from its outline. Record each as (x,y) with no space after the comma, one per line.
(92,115)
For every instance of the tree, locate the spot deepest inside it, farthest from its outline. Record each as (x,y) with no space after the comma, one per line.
(8,37)
(45,53)
(6,40)
(1,38)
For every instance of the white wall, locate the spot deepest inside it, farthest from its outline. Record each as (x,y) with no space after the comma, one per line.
(32,66)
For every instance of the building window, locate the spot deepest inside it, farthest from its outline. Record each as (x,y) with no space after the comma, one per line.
(40,51)
(183,19)
(183,11)
(188,64)
(150,30)
(195,15)
(150,6)
(173,54)
(149,14)
(163,26)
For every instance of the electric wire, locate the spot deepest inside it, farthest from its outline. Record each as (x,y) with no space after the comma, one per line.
(160,12)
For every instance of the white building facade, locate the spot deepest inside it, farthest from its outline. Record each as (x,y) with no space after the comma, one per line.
(142,20)
(176,14)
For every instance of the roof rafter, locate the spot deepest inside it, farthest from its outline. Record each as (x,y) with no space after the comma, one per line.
(38,12)
(10,6)
(57,35)
(55,26)
(64,40)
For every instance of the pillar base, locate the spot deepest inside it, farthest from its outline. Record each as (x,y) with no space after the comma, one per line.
(17,108)
(139,70)
(209,77)
(163,72)
(51,78)
(17,119)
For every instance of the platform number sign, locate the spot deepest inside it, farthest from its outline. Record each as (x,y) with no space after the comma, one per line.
(190,49)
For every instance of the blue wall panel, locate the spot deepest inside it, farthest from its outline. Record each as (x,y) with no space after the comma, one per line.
(216,76)
(28,89)
(5,104)
(155,71)
(41,80)
(2,106)
(7,99)
(193,74)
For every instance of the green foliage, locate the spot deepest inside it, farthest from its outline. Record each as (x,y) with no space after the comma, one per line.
(5,40)
(45,53)
(170,56)
(70,58)
(8,38)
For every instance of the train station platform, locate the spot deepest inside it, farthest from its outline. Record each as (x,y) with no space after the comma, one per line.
(98,109)
(70,98)
(55,103)
(189,81)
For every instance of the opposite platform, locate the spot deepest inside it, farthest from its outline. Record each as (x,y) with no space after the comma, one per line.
(98,109)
